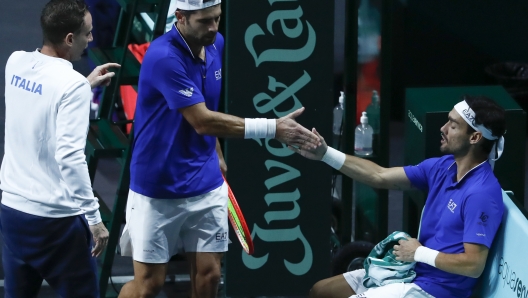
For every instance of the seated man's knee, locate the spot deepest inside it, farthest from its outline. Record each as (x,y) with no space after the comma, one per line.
(318,289)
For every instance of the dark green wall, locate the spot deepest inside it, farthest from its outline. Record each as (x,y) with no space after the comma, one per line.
(496,28)
(447,43)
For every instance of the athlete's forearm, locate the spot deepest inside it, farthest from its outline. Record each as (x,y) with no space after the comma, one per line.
(372,174)
(221,125)
(284,129)
(470,265)
(362,170)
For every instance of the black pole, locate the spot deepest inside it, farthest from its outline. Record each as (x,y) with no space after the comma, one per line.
(350,88)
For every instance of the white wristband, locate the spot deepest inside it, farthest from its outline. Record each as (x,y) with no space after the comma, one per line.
(258,128)
(272,128)
(426,255)
(334,158)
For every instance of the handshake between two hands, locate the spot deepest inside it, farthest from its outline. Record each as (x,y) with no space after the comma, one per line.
(309,144)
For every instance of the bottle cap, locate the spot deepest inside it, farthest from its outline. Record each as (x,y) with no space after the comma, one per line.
(342,97)
(375,97)
(364,118)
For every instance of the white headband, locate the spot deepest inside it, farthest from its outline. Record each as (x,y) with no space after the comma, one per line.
(469,116)
(195,4)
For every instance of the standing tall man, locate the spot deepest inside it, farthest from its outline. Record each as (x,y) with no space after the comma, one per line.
(49,212)
(462,212)
(177,195)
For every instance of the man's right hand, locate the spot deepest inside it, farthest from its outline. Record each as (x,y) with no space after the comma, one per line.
(100,237)
(293,134)
(101,76)
(315,154)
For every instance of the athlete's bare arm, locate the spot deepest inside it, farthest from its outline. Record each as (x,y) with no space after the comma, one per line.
(361,169)
(207,122)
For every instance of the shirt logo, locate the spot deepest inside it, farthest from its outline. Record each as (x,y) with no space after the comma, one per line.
(218,74)
(26,85)
(451,206)
(187,92)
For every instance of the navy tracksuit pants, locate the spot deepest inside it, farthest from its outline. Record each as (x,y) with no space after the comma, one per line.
(57,250)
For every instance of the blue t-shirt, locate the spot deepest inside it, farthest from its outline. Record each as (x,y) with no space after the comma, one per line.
(469,211)
(169,158)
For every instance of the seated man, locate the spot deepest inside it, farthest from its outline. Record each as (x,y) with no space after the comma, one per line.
(462,213)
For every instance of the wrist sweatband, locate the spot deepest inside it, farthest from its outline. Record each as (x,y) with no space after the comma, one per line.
(334,158)
(426,255)
(258,128)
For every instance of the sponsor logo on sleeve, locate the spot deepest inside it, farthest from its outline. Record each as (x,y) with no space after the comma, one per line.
(483,219)
(187,92)
(451,206)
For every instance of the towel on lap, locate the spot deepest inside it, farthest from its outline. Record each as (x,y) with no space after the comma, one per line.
(381,266)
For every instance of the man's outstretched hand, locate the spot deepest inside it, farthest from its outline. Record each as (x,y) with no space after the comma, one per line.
(101,76)
(313,153)
(293,134)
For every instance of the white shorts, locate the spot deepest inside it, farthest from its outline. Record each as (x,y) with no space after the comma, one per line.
(157,229)
(396,290)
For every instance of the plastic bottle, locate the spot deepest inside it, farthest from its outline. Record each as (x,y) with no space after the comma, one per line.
(338,120)
(363,141)
(373,112)
(338,115)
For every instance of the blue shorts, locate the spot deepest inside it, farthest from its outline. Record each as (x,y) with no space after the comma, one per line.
(57,250)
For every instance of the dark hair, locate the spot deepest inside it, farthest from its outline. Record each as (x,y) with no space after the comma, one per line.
(489,114)
(186,13)
(61,17)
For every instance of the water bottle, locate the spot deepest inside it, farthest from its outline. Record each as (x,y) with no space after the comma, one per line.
(373,112)
(363,141)
(338,121)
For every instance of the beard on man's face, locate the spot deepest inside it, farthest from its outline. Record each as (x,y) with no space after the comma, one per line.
(208,40)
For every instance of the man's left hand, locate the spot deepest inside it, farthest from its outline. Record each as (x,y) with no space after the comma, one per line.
(406,249)
(312,153)
(101,76)
(100,238)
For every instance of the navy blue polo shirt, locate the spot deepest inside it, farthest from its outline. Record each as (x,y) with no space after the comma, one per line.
(169,159)
(468,211)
